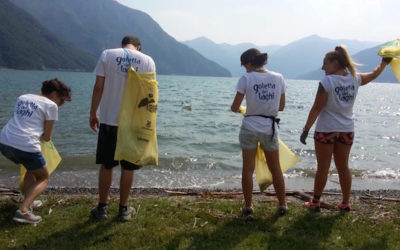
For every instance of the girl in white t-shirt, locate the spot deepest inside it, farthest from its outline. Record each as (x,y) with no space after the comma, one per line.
(265,96)
(334,131)
(33,118)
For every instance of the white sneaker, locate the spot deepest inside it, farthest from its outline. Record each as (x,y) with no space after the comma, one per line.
(27,217)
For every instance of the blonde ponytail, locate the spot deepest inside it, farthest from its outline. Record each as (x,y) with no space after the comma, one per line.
(347,61)
(343,57)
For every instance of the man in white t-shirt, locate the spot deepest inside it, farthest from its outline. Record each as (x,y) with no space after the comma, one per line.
(111,72)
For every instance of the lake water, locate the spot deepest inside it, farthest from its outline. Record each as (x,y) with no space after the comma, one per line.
(199,148)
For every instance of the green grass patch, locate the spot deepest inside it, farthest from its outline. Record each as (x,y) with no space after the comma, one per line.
(199,223)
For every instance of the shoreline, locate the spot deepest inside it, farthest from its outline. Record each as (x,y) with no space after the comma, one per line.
(379,194)
(166,179)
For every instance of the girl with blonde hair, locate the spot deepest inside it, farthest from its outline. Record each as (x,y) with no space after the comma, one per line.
(334,131)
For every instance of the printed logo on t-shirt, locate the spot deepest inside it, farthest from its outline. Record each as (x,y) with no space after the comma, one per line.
(264,91)
(124,63)
(345,94)
(25,108)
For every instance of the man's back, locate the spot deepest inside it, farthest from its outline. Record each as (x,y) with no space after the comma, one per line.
(113,66)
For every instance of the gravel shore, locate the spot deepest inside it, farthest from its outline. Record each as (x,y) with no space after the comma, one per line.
(375,203)
(383,193)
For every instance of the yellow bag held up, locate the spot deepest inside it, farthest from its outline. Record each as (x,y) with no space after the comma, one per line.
(137,138)
(51,156)
(392,49)
(287,160)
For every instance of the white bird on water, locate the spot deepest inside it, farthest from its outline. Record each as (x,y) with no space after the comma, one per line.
(187,106)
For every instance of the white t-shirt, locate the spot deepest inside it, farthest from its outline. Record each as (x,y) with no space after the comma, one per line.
(113,65)
(26,126)
(337,114)
(263,93)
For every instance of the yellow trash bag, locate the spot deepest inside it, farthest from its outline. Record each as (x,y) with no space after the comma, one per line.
(137,138)
(392,49)
(51,156)
(287,159)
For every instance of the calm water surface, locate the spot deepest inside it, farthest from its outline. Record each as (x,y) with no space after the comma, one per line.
(199,148)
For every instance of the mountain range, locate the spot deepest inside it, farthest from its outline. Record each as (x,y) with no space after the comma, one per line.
(300,59)
(91,26)
(226,54)
(25,44)
(70,35)
(306,54)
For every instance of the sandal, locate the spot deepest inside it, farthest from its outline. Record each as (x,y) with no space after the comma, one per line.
(344,207)
(315,206)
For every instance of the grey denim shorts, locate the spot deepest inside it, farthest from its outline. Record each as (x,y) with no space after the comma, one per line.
(249,140)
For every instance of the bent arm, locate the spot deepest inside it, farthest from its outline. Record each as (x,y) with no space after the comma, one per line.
(96,98)
(236,102)
(48,130)
(282,102)
(320,101)
(370,76)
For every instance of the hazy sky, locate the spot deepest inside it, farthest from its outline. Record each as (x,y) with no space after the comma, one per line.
(265,22)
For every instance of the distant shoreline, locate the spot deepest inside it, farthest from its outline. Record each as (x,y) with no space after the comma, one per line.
(61,70)
(161,74)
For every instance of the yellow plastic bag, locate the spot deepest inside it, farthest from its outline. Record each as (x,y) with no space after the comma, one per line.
(395,64)
(137,138)
(392,49)
(51,156)
(287,159)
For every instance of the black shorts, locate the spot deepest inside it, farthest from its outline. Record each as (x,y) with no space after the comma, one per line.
(106,144)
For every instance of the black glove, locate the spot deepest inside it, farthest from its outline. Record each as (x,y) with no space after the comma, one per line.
(387,59)
(303,136)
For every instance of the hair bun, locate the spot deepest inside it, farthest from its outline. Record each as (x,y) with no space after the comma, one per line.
(339,49)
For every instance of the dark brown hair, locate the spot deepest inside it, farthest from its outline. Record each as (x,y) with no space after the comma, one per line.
(59,87)
(254,57)
(135,41)
(343,57)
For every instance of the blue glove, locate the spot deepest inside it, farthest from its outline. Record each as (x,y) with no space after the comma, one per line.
(303,136)
(387,59)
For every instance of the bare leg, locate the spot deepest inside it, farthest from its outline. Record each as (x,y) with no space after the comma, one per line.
(29,181)
(34,189)
(105,181)
(125,186)
(247,174)
(341,155)
(274,166)
(324,156)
